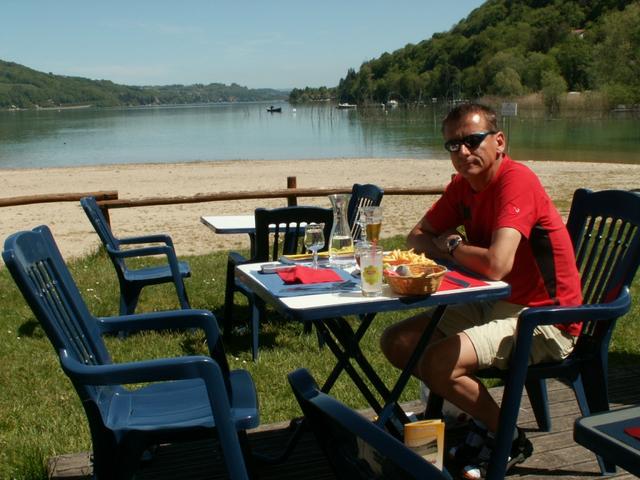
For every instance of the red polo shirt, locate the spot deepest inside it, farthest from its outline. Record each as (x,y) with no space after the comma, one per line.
(544,270)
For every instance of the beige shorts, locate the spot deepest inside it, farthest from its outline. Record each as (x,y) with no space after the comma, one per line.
(491,327)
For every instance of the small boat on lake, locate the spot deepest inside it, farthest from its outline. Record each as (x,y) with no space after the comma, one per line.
(273,109)
(344,106)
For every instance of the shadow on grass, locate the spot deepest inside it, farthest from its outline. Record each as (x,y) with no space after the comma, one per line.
(240,339)
(621,359)
(31,328)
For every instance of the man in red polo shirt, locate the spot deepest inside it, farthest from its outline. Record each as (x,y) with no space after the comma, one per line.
(512,232)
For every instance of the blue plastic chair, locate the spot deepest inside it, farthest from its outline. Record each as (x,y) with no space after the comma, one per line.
(605,230)
(279,231)
(132,281)
(362,196)
(187,397)
(355,446)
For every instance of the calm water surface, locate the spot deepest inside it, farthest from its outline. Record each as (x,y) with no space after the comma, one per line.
(55,138)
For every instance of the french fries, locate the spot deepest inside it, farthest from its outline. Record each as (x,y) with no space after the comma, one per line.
(400,257)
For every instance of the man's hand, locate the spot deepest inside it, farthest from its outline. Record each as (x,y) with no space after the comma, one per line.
(447,242)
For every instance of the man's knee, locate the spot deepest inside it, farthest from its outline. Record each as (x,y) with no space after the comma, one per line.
(390,342)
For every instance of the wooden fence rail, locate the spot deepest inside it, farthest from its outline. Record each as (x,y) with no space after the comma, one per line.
(57,197)
(109,199)
(291,193)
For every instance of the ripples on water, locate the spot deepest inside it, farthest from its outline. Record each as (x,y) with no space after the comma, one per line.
(49,138)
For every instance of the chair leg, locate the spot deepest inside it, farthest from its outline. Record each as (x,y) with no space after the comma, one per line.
(258,313)
(182,295)
(230,288)
(129,299)
(537,392)
(596,387)
(434,406)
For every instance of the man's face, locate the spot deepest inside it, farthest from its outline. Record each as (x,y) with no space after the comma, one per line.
(474,162)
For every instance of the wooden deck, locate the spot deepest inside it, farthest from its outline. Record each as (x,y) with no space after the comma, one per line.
(555,453)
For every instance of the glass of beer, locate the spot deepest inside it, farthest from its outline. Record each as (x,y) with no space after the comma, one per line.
(373,223)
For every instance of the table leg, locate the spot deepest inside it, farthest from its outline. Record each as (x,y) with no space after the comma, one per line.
(252,244)
(401,383)
(344,344)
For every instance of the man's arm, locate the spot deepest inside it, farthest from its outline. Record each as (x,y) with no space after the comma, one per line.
(422,238)
(494,262)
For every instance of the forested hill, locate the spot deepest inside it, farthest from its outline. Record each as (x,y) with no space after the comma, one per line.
(22,87)
(509,48)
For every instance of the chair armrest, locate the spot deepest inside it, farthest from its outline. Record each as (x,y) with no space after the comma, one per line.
(532,317)
(156,238)
(170,253)
(165,369)
(167,320)
(142,252)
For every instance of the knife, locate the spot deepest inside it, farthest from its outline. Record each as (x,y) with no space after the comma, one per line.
(345,285)
(457,281)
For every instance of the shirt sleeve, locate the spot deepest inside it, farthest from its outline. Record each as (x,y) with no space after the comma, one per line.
(443,214)
(516,204)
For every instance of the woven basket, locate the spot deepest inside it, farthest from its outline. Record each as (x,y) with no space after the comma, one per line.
(424,279)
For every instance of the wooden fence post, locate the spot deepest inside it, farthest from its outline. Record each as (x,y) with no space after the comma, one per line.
(292,200)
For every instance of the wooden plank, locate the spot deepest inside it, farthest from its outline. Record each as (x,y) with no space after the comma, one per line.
(555,454)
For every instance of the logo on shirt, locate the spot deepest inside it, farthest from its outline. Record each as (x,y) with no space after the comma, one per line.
(512,209)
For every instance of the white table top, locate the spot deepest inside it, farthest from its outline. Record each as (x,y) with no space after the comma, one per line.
(316,306)
(234,223)
(230,223)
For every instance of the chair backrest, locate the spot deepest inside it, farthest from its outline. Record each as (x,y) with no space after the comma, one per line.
(103,229)
(362,196)
(355,447)
(280,230)
(605,230)
(99,222)
(34,261)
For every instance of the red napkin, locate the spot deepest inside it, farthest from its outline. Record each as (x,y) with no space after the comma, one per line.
(302,274)
(633,431)
(448,284)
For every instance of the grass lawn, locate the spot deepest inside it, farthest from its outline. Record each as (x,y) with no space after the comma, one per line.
(41,416)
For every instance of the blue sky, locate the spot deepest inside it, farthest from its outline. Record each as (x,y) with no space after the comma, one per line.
(268,43)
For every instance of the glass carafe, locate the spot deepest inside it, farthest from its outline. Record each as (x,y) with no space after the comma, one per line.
(340,241)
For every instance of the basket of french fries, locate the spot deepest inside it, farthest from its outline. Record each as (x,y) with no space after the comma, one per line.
(409,273)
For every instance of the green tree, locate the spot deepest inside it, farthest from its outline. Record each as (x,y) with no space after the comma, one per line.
(574,57)
(507,83)
(553,87)
(535,65)
(616,59)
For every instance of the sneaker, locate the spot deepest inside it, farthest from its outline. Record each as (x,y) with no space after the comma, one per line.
(468,450)
(521,449)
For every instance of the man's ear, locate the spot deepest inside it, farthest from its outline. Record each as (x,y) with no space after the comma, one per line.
(501,142)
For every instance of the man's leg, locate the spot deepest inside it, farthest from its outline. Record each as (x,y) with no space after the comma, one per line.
(447,367)
(399,340)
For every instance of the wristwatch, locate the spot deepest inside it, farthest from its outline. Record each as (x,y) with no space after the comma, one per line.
(453,243)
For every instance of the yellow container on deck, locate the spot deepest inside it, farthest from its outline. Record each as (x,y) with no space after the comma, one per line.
(426,438)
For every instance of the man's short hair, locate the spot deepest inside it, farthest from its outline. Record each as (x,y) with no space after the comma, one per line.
(462,110)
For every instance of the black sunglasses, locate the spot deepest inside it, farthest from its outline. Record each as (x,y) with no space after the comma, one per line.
(472,141)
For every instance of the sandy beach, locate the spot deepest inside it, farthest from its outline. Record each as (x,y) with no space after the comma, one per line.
(76,237)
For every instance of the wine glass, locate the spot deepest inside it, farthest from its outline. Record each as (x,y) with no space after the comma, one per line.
(314,240)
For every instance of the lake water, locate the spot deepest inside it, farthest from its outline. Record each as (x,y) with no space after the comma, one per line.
(54,138)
